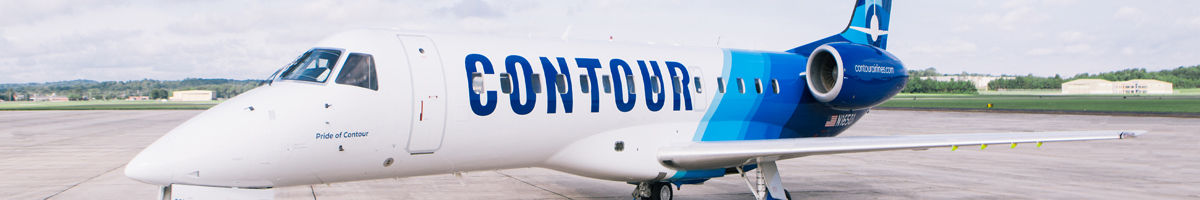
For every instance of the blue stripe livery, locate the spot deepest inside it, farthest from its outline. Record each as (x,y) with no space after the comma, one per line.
(792,113)
(743,113)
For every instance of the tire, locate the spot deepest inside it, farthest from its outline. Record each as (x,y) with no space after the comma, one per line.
(786,194)
(661,191)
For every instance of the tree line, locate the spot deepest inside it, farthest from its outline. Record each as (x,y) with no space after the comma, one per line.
(116,90)
(916,84)
(1182,77)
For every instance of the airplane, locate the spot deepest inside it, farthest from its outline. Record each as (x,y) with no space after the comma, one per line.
(376,103)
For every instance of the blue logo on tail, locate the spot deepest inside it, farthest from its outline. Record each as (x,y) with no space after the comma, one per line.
(870,23)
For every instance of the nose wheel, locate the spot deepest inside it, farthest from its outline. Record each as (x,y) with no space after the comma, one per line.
(653,191)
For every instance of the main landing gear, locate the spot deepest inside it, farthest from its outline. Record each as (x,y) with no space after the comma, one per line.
(767,184)
(653,191)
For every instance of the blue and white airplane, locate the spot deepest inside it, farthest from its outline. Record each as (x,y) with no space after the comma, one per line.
(373,104)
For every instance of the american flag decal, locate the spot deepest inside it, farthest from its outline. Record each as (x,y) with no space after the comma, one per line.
(833,119)
(840,120)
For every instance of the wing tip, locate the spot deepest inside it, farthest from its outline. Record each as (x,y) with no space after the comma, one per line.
(1131,134)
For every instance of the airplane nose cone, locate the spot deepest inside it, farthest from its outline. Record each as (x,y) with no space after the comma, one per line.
(154,165)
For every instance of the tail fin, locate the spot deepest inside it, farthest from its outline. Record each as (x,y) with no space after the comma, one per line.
(868,25)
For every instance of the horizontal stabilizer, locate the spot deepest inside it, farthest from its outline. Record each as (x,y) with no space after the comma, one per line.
(724,154)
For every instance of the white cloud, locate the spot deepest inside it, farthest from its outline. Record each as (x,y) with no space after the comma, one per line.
(960,28)
(211,24)
(1077,48)
(481,25)
(1016,3)
(1040,51)
(24,12)
(1129,51)
(1060,2)
(473,8)
(1070,36)
(1127,12)
(1021,16)
(947,47)
(989,18)
(1060,50)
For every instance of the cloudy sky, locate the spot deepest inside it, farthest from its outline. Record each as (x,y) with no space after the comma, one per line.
(107,40)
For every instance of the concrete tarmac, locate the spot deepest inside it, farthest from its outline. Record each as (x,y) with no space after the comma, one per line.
(81,155)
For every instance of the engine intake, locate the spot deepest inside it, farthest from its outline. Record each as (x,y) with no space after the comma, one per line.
(846,76)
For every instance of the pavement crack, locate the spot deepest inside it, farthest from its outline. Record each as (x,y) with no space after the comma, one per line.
(86,180)
(531,184)
(314,191)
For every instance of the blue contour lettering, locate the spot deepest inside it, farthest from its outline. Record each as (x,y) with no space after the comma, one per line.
(683,85)
(515,97)
(477,106)
(591,64)
(617,65)
(653,103)
(552,83)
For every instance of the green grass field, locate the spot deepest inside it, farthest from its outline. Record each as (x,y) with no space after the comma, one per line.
(108,105)
(1190,91)
(1116,103)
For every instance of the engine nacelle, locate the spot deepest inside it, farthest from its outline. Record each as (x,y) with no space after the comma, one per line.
(847,76)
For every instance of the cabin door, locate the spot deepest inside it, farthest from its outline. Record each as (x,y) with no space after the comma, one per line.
(429,94)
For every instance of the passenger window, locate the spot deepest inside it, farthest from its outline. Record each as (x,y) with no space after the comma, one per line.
(505,83)
(696,81)
(536,79)
(359,70)
(675,83)
(477,82)
(758,85)
(629,84)
(561,83)
(583,84)
(654,84)
(775,85)
(720,85)
(315,66)
(741,86)
(607,83)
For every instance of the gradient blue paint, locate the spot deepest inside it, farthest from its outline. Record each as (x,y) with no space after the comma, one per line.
(793,113)
(750,116)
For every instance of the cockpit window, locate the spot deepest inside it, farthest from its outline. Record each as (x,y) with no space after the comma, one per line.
(315,66)
(359,70)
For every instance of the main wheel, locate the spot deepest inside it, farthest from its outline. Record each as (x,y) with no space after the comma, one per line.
(660,191)
(787,195)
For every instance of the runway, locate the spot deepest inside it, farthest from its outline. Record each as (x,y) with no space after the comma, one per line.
(81,155)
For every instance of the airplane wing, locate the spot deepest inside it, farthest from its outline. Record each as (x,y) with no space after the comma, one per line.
(724,154)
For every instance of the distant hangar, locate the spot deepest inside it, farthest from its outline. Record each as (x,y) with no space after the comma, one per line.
(192,95)
(1099,86)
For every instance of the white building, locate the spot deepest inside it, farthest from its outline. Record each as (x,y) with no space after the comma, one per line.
(981,82)
(1136,86)
(192,95)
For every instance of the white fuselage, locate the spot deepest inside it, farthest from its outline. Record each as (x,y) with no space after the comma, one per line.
(300,132)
